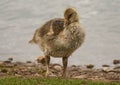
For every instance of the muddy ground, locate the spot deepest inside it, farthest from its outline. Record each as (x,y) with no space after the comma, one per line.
(32,69)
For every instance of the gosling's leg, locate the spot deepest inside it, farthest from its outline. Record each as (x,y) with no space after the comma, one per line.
(65,61)
(47,60)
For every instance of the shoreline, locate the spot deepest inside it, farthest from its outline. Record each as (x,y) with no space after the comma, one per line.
(32,69)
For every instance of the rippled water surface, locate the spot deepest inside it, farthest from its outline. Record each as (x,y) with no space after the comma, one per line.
(100,18)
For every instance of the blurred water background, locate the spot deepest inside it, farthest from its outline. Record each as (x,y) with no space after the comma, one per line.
(100,18)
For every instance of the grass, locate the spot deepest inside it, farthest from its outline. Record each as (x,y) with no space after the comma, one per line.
(50,81)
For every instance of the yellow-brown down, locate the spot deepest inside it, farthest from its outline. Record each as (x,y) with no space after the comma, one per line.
(60,37)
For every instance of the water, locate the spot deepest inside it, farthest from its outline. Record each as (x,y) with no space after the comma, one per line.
(100,18)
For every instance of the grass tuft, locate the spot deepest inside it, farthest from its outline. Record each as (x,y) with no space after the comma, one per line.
(50,81)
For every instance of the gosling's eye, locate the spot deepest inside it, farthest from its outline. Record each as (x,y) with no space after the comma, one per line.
(70,15)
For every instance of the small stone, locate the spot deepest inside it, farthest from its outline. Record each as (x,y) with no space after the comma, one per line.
(116,70)
(105,69)
(37,75)
(80,77)
(7,61)
(52,75)
(1,63)
(57,67)
(28,61)
(116,61)
(41,59)
(4,70)
(18,63)
(18,75)
(116,67)
(105,65)
(73,66)
(89,66)
(10,59)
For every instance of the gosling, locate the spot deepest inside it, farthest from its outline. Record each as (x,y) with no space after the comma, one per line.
(60,37)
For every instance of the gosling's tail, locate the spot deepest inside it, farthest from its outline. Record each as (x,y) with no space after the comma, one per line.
(35,38)
(31,41)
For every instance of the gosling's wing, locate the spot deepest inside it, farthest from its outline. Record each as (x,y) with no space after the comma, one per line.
(41,32)
(57,26)
(50,30)
(52,27)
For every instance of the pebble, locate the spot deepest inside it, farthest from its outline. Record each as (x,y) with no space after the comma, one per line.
(10,59)
(7,61)
(41,59)
(116,67)
(76,72)
(105,65)
(116,61)
(1,63)
(28,61)
(52,75)
(4,70)
(57,67)
(80,77)
(105,69)
(89,66)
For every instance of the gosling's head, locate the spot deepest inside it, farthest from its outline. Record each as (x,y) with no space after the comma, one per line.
(71,15)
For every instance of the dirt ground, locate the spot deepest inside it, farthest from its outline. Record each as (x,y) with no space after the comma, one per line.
(30,69)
